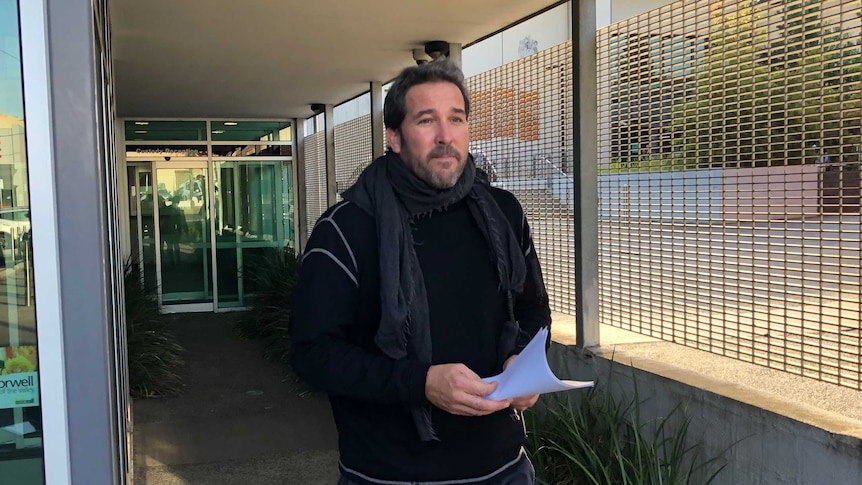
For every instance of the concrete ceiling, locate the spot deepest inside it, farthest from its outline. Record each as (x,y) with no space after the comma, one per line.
(271,59)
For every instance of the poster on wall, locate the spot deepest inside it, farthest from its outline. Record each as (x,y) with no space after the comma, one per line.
(19,377)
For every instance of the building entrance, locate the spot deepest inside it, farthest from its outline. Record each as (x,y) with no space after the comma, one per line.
(176,212)
(209,202)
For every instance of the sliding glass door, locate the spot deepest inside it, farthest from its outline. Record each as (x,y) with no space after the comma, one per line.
(183,231)
(253,218)
(175,213)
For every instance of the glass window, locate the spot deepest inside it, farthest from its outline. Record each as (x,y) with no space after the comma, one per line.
(20,412)
(146,130)
(252,150)
(250,130)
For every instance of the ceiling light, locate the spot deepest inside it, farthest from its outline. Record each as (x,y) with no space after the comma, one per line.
(230,123)
(218,132)
(142,123)
(140,132)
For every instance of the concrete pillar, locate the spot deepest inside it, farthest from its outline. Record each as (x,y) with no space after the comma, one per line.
(377,126)
(76,254)
(455,54)
(300,194)
(585,171)
(329,136)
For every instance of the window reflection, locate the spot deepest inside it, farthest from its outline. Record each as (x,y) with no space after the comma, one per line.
(242,150)
(250,130)
(20,412)
(145,130)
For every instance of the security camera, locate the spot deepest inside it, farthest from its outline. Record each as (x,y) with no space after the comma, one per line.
(167,159)
(437,49)
(318,108)
(420,56)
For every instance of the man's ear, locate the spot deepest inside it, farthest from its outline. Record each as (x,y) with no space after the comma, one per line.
(394,139)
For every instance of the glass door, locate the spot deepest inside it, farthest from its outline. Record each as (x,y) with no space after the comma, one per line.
(253,224)
(181,211)
(142,222)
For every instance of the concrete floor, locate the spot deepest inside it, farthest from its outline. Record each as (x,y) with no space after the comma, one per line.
(241,420)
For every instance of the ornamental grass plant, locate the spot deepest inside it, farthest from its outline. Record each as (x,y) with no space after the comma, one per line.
(597,439)
(154,355)
(272,279)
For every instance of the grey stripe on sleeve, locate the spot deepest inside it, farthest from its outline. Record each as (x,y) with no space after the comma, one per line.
(337,261)
(341,235)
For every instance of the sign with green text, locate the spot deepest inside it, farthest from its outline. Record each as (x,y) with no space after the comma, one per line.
(19,377)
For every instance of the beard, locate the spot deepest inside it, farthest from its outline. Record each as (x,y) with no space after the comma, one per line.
(423,167)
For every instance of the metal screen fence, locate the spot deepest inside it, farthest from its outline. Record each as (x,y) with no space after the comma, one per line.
(352,150)
(520,124)
(729,141)
(315,177)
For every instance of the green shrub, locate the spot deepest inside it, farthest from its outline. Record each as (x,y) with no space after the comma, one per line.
(272,279)
(154,356)
(602,441)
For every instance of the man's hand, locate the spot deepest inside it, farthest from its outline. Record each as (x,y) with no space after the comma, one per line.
(524,402)
(458,390)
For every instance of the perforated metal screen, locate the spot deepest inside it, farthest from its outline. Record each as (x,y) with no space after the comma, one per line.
(352,150)
(729,141)
(520,124)
(315,177)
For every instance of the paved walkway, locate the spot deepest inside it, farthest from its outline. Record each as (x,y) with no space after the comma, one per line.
(240,421)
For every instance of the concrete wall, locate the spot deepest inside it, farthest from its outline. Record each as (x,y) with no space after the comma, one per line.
(684,195)
(745,194)
(763,193)
(538,33)
(763,446)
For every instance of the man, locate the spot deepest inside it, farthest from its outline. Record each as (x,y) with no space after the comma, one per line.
(422,282)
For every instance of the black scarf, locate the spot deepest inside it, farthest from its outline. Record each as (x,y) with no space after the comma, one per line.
(390,192)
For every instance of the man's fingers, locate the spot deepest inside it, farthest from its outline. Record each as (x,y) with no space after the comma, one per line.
(479,387)
(458,390)
(479,406)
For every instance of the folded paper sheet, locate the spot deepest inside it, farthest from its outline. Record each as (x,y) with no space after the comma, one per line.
(530,374)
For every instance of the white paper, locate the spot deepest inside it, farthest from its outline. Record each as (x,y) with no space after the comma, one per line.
(530,374)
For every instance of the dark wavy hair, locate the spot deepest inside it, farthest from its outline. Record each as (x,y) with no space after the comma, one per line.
(441,70)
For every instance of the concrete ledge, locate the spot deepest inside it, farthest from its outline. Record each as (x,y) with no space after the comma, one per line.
(833,408)
(757,422)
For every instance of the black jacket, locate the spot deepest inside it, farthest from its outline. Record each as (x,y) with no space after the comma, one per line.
(336,309)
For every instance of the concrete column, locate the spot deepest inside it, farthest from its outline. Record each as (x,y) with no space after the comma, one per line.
(455,54)
(377,127)
(585,133)
(329,136)
(75,244)
(299,193)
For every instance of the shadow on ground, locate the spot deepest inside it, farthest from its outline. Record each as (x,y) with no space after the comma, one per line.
(241,420)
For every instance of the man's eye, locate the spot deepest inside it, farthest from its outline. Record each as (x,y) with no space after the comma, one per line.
(425,121)
(457,120)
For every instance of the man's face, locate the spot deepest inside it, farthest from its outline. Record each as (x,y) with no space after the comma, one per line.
(434,136)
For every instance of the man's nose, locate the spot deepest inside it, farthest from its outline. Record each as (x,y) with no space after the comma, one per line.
(444,134)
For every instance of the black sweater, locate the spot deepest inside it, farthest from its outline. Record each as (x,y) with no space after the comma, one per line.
(336,310)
